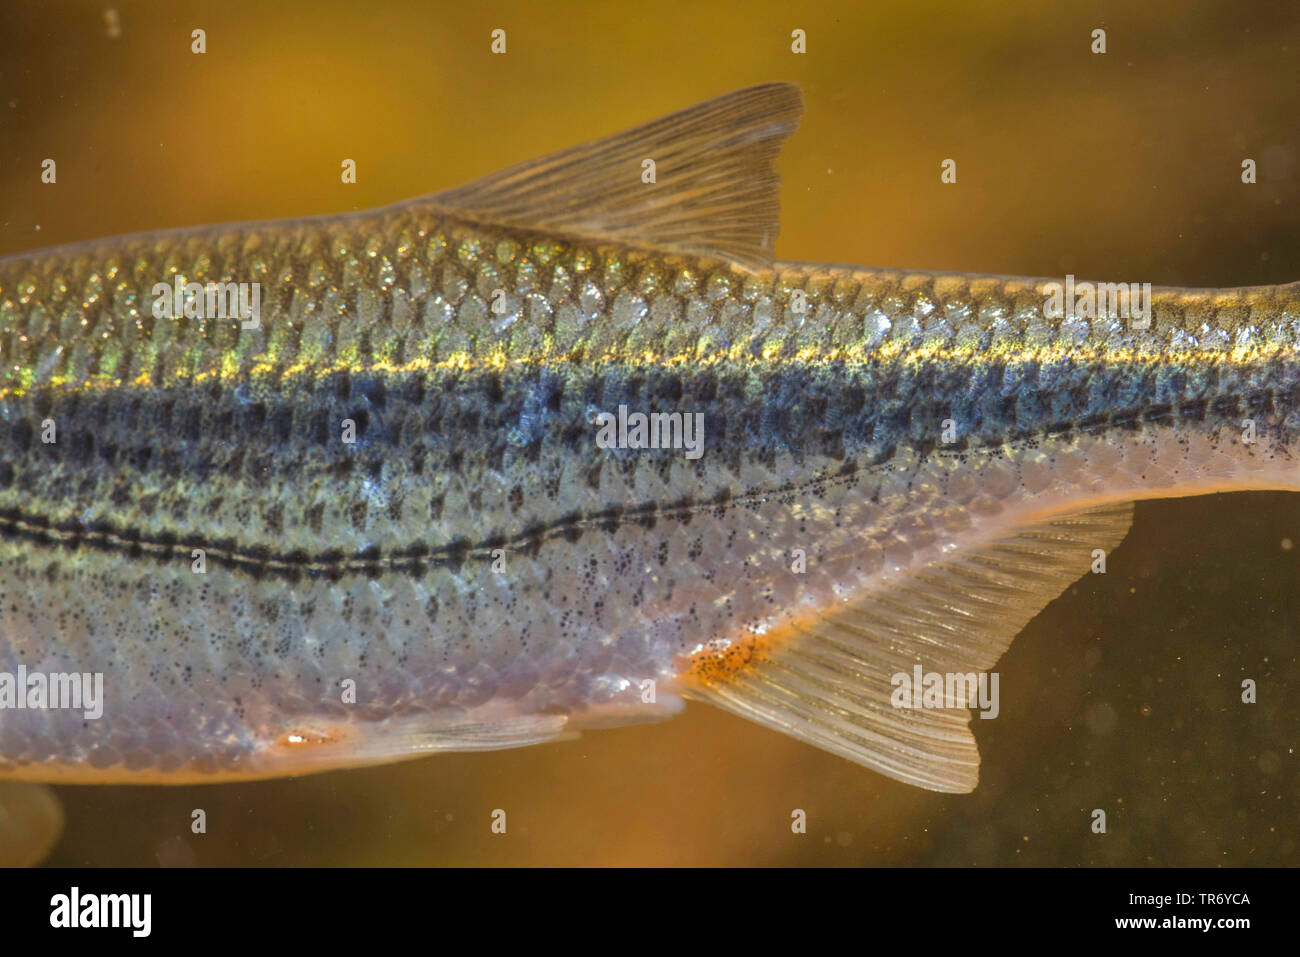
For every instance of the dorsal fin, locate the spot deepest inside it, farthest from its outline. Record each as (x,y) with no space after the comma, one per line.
(715,189)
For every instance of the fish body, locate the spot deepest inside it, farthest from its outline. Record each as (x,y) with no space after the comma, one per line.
(562,449)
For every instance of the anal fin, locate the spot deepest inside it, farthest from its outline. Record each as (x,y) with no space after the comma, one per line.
(828,681)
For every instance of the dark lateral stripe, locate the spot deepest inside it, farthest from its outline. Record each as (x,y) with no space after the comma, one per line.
(260,561)
(332,565)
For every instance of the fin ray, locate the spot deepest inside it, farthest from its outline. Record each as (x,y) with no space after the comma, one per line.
(829,683)
(715,192)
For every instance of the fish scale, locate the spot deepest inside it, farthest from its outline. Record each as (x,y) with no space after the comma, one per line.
(898,468)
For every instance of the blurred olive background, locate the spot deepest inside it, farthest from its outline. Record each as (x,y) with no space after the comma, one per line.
(1123,695)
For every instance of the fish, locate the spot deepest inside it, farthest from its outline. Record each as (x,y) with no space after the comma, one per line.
(567,448)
